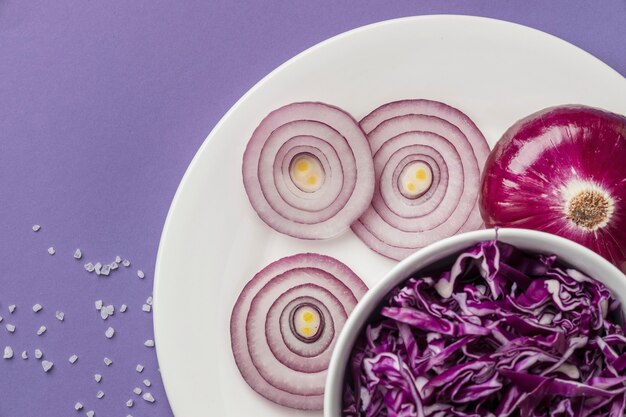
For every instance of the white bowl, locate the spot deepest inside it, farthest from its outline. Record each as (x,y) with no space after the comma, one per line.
(568,253)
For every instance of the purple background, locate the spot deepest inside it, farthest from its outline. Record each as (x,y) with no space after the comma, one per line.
(102,107)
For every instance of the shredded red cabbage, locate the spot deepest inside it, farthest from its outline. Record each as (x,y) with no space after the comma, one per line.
(502,333)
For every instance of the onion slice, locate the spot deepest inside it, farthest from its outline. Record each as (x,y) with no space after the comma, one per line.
(308,170)
(284,325)
(428,159)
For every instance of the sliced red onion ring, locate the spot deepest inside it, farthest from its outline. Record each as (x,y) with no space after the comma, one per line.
(319,288)
(295,216)
(444,111)
(398,221)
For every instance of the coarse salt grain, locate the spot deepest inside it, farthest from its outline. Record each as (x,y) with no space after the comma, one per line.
(126,262)
(146,308)
(109,332)
(24,355)
(78,254)
(10,327)
(36,228)
(104,313)
(97,267)
(123,308)
(118,259)
(108,361)
(38,354)
(98,304)
(89,267)
(100,394)
(73,359)
(8,352)
(41,330)
(97,377)
(51,250)
(110,309)
(148,397)
(11,308)
(47,365)
(114,266)
(60,315)
(139,368)
(149,343)
(106,269)
(140,274)
(37,308)
(147,382)
(149,301)
(78,406)
(130,403)
(90,413)
(137,390)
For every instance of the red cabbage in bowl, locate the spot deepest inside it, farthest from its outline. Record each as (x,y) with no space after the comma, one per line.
(500,333)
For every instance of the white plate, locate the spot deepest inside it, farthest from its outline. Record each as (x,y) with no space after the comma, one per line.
(213,242)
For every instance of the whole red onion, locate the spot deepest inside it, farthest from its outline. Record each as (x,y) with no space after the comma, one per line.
(563,171)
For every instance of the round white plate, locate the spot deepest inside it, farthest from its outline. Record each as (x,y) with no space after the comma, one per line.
(213,242)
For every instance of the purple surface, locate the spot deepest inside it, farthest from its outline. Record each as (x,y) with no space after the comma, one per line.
(102,106)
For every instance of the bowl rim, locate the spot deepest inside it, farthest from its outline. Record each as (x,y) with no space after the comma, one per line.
(570,252)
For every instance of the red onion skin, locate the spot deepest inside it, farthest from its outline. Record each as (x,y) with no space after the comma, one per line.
(523,176)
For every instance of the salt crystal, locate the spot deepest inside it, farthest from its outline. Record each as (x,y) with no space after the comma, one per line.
(24,355)
(149,343)
(90,413)
(100,394)
(60,315)
(104,313)
(108,361)
(146,308)
(140,274)
(147,382)
(89,267)
(78,254)
(11,308)
(130,403)
(36,228)
(123,308)
(98,304)
(38,354)
(10,327)
(137,390)
(126,262)
(73,359)
(139,368)
(114,266)
(97,377)
(8,352)
(109,332)
(148,397)
(47,365)
(51,250)
(78,406)
(149,301)
(37,308)
(106,270)
(41,330)
(97,267)
(110,309)
(118,259)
